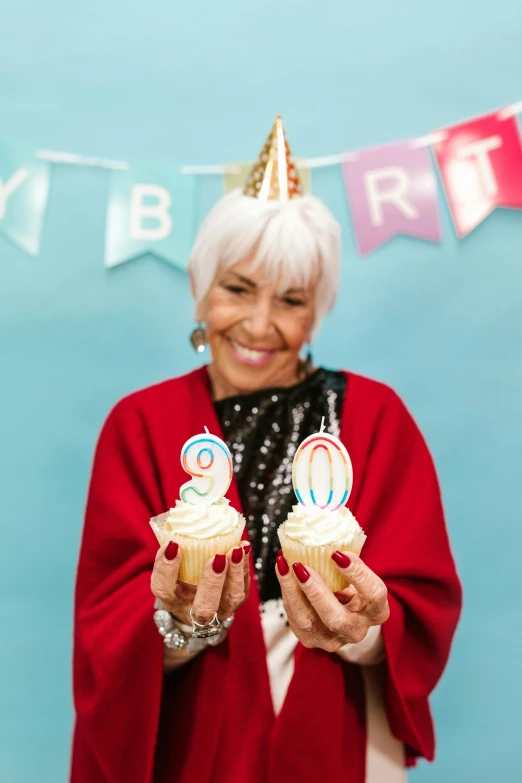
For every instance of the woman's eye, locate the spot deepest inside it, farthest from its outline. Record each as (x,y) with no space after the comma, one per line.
(235,289)
(289,300)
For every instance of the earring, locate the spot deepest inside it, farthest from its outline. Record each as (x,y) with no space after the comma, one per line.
(198,338)
(308,362)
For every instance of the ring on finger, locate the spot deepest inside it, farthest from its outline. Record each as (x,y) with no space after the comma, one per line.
(227,622)
(204,631)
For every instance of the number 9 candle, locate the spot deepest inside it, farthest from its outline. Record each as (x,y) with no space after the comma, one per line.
(202,523)
(208,460)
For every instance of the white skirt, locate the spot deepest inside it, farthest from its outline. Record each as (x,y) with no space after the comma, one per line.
(385,758)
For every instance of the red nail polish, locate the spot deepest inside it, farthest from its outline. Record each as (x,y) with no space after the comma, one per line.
(282,565)
(341,559)
(247,548)
(171,551)
(237,555)
(301,572)
(218,566)
(280,553)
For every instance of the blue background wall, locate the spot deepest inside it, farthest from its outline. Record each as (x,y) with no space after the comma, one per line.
(201,83)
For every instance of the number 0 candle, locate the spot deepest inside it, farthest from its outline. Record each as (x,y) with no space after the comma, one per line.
(322,472)
(208,460)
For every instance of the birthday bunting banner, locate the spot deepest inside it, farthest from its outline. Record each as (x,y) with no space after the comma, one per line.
(392,190)
(24,189)
(480,162)
(150,210)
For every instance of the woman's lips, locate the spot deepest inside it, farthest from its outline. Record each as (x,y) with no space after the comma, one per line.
(255,356)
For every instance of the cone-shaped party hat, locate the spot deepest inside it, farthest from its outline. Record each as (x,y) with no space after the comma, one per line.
(274,175)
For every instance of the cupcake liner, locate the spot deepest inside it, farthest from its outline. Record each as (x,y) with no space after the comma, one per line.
(320,557)
(195,551)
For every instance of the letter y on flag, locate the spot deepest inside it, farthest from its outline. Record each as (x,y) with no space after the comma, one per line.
(24,190)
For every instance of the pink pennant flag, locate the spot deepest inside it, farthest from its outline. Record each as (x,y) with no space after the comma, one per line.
(480,162)
(392,190)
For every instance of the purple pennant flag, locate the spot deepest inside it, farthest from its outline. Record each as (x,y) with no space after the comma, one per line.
(392,190)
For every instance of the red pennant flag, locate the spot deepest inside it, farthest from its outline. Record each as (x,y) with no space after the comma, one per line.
(480,163)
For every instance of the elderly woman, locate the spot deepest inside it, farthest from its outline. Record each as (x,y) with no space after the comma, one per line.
(300,682)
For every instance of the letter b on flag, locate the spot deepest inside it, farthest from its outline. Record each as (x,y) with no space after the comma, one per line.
(150,212)
(157,212)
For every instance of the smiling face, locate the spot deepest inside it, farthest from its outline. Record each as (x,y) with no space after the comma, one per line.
(254,329)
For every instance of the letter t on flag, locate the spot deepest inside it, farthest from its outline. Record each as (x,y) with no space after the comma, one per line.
(392,190)
(480,162)
(151,210)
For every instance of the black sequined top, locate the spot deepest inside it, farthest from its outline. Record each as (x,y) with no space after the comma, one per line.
(263,430)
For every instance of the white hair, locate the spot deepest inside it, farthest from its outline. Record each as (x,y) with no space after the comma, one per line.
(293,240)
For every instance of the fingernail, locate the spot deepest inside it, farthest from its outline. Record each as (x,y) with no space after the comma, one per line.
(237,555)
(247,548)
(282,565)
(280,553)
(218,566)
(171,551)
(301,572)
(341,559)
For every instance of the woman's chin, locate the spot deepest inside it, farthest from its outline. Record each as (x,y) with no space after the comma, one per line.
(247,379)
(238,378)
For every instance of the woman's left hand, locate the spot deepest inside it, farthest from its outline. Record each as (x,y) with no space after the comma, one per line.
(320,618)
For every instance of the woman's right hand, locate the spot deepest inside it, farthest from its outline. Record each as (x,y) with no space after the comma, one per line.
(223,587)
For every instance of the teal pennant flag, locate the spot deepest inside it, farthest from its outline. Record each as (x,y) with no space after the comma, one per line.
(150,210)
(24,190)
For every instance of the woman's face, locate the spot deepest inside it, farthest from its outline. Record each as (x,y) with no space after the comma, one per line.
(255,331)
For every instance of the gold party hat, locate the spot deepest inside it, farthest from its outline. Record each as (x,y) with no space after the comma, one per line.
(274,175)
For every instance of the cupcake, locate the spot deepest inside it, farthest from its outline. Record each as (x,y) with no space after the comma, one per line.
(202,523)
(311,535)
(322,477)
(202,531)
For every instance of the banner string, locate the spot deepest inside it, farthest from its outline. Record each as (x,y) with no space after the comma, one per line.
(74,159)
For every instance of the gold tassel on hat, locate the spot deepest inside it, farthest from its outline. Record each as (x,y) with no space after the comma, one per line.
(274,176)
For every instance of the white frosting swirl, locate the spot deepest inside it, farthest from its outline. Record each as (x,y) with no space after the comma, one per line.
(314,526)
(202,521)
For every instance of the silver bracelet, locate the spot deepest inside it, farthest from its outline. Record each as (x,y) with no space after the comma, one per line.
(177,636)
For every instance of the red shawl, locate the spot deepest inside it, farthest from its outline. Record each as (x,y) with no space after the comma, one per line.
(212,721)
